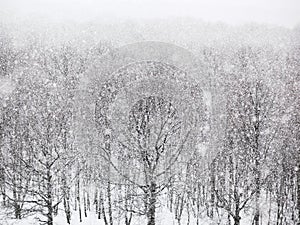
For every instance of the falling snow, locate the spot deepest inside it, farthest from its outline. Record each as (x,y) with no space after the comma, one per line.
(149,121)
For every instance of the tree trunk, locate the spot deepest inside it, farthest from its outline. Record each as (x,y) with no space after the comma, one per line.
(3,188)
(88,203)
(78,199)
(109,203)
(127,199)
(100,205)
(84,203)
(179,207)
(17,209)
(67,208)
(66,199)
(49,197)
(16,205)
(152,204)
(237,217)
(237,220)
(188,214)
(257,194)
(212,191)
(257,168)
(96,201)
(128,220)
(103,212)
(298,192)
(75,199)
(170,192)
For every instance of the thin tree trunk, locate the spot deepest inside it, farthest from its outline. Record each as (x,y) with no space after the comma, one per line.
(152,204)
(15,204)
(171,198)
(212,191)
(188,212)
(67,208)
(75,199)
(17,209)
(78,199)
(270,209)
(66,199)
(179,208)
(100,205)
(127,198)
(88,201)
(237,217)
(257,198)
(49,197)
(96,201)
(256,168)
(109,203)
(128,220)
(3,188)
(84,203)
(103,212)
(298,192)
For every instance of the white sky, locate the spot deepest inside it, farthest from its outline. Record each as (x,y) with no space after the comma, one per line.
(279,12)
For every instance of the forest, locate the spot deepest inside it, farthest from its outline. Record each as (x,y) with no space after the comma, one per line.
(147,142)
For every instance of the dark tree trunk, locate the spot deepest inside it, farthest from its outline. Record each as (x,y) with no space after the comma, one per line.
(67,204)
(49,197)
(78,200)
(257,166)
(75,198)
(298,192)
(100,205)
(96,201)
(88,203)
(237,217)
(213,187)
(109,203)
(171,198)
(257,194)
(128,219)
(103,212)
(84,203)
(16,205)
(188,212)
(152,204)
(17,209)
(2,186)
(237,220)
(67,210)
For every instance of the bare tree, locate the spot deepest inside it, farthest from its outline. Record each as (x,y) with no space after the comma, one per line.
(152,145)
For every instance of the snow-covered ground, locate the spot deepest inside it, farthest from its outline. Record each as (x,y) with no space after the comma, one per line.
(163,217)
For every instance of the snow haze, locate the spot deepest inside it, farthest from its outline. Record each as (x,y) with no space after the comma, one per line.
(277,12)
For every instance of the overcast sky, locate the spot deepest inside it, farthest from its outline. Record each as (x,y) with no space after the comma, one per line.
(278,12)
